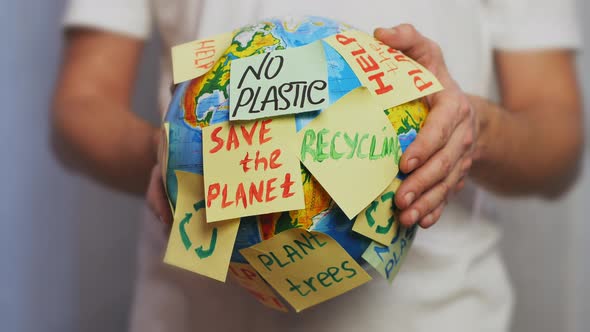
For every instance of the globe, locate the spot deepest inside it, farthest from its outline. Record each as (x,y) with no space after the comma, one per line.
(204,101)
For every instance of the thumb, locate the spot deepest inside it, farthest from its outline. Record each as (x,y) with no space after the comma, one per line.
(412,43)
(156,197)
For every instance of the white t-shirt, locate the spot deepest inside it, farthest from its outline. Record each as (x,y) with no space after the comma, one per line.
(453,279)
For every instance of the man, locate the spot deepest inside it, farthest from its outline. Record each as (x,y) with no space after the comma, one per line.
(453,279)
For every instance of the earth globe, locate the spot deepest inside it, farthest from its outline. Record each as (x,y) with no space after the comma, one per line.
(204,101)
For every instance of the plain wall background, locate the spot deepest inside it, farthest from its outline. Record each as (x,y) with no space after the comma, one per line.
(67,246)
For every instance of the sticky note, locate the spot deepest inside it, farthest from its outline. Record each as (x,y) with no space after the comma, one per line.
(249,279)
(389,75)
(193,59)
(194,244)
(378,220)
(352,149)
(280,82)
(306,268)
(387,260)
(249,169)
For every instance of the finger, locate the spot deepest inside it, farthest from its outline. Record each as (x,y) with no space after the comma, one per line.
(161,142)
(460,185)
(465,167)
(430,200)
(435,170)
(425,204)
(433,216)
(157,199)
(407,39)
(440,124)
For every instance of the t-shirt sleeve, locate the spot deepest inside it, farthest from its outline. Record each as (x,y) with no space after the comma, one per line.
(128,17)
(534,24)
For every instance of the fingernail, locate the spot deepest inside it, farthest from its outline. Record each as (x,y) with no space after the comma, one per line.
(412,163)
(161,219)
(427,220)
(390,31)
(387,31)
(409,198)
(413,216)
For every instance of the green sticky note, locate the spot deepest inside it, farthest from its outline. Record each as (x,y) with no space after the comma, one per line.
(279,82)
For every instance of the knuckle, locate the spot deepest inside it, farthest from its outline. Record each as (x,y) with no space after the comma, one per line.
(420,183)
(445,163)
(444,189)
(467,163)
(462,171)
(422,207)
(428,203)
(468,140)
(435,49)
(444,133)
(409,28)
(464,107)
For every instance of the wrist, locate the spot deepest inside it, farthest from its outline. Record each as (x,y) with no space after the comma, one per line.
(486,124)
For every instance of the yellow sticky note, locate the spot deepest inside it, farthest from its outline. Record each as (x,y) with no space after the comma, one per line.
(387,260)
(390,75)
(306,268)
(249,279)
(378,220)
(280,82)
(352,149)
(195,58)
(250,169)
(194,244)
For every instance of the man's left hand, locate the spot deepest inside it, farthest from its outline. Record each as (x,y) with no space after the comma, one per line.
(440,157)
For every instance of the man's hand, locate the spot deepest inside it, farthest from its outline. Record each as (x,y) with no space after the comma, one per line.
(94,131)
(440,157)
(156,193)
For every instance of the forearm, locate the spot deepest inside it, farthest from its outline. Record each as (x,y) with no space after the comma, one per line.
(526,152)
(112,146)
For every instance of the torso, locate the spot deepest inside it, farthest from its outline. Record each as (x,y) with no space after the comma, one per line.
(445,260)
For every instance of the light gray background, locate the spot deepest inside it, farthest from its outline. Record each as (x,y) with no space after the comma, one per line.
(67,245)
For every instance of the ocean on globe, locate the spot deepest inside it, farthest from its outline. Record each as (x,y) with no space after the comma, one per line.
(204,101)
